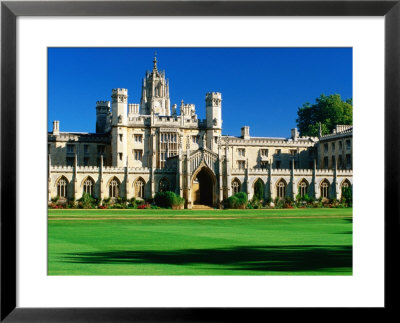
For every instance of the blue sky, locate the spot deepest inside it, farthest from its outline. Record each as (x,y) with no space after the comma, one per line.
(261,87)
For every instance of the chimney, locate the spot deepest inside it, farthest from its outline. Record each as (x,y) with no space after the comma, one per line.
(56,128)
(246,132)
(294,133)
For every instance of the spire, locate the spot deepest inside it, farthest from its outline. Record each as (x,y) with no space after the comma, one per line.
(155,62)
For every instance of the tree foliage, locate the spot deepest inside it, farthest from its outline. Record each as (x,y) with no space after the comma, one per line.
(259,190)
(328,110)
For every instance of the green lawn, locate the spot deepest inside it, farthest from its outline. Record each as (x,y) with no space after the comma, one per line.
(188,242)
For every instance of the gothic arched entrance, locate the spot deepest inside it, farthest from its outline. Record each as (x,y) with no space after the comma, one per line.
(203,187)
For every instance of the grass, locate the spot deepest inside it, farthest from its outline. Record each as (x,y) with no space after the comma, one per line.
(200,242)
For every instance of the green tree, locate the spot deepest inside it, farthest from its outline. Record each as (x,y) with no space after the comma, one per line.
(328,111)
(259,190)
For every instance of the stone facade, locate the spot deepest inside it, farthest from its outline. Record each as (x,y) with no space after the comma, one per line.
(140,149)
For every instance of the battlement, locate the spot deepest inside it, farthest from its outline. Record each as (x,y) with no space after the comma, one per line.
(265,141)
(87,169)
(167,120)
(217,95)
(103,104)
(61,168)
(344,172)
(119,91)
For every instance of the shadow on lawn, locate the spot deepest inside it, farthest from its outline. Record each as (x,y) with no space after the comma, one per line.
(257,258)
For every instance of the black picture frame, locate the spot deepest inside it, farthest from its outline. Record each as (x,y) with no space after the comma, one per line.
(10,10)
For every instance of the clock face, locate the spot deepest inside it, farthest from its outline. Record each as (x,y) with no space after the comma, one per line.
(157,107)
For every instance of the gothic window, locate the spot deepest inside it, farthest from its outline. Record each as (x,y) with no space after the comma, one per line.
(264,152)
(139,188)
(88,186)
(164,185)
(235,186)
(241,152)
(281,189)
(114,188)
(303,188)
(325,189)
(62,186)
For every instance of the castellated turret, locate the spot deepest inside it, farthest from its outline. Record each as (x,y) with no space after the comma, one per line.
(119,122)
(119,106)
(213,110)
(102,116)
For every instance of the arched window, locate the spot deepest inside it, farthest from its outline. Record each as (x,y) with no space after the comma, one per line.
(139,188)
(345,184)
(62,186)
(281,189)
(164,185)
(303,188)
(325,189)
(235,186)
(88,186)
(114,188)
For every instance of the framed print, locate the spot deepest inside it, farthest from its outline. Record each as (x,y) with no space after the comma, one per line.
(51,49)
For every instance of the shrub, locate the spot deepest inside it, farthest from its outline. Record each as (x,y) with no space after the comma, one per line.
(87,201)
(55,199)
(232,202)
(237,201)
(168,199)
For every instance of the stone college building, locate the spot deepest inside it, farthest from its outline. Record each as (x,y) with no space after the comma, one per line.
(142,148)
